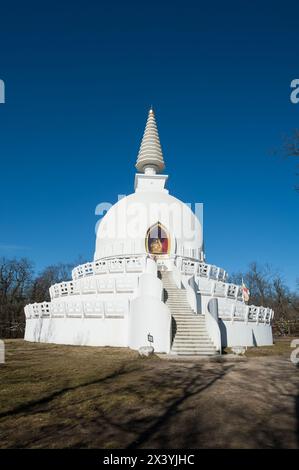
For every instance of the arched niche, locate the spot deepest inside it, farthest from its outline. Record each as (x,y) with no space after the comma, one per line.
(157,240)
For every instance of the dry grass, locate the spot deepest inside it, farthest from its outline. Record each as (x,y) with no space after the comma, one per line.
(66,397)
(281,347)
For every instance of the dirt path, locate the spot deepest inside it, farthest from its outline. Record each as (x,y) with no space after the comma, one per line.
(244,405)
(57,396)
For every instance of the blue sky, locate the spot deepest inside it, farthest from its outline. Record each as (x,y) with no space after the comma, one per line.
(80,77)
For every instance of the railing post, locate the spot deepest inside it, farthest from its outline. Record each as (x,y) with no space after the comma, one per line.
(246,314)
(226,290)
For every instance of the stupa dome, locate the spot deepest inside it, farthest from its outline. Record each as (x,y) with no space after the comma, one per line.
(135,221)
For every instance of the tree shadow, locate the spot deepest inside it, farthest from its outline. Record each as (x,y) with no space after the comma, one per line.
(173,329)
(193,387)
(45,400)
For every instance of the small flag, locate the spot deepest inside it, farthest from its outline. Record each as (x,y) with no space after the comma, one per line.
(245,291)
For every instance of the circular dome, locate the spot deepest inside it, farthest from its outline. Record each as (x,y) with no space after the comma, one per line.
(149,222)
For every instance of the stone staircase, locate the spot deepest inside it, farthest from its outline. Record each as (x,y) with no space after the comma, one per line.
(189,332)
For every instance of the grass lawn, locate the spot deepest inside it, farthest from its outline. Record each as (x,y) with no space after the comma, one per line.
(281,347)
(54,396)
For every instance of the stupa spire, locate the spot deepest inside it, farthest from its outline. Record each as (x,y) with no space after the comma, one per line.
(150,157)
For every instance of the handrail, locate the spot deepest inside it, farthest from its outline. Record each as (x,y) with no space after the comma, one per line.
(114,264)
(248,313)
(191,266)
(92,285)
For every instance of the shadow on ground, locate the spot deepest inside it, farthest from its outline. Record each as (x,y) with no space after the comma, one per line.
(57,396)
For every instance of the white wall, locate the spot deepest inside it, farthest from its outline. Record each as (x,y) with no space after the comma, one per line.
(212,323)
(78,331)
(150,285)
(238,333)
(149,315)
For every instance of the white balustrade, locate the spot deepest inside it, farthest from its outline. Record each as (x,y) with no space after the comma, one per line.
(117,265)
(124,284)
(88,309)
(93,285)
(135,264)
(110,265)
(204,270)
(64,288)
(106,285)
(213,272)
(100,267)
(74,310)
(94,309)
(247,313)
(220,289)
(89,285)
(191,267)
(58,309)
(114,310)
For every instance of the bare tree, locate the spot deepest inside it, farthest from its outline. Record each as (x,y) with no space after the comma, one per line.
(50,275)
(15,282)
(258,279)
(53,274)
(268,288)
(18,287)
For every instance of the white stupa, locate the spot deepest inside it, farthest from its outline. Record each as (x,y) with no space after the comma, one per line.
(149,282)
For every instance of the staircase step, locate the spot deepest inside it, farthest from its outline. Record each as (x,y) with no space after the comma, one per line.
(188,334)
(179,305)
(200,339)
(189,329)
(194,347)
(181,314)
(196,353)
(184,319)
(182,305)
(189,320)
(185,329)
(187,316)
